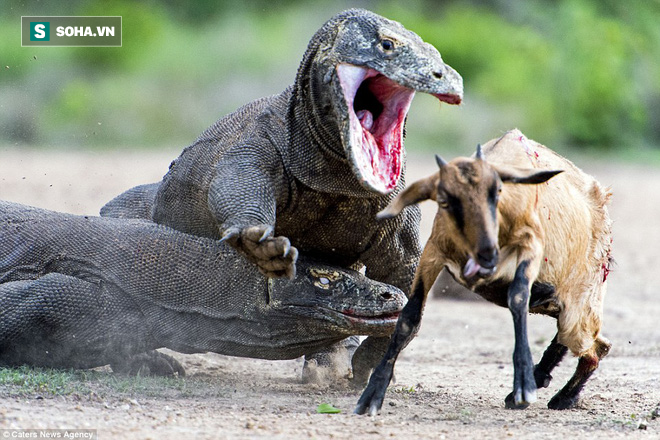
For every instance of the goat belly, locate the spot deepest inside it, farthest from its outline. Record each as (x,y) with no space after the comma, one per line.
(495,292)
(542,295)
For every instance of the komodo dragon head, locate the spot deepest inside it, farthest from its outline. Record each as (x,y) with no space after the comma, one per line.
(360,73)
(329,300)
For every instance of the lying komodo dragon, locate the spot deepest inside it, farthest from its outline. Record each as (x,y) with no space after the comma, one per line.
(312,166)
(83,292)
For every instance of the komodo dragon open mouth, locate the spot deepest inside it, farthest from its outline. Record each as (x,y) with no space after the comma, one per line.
(377,108)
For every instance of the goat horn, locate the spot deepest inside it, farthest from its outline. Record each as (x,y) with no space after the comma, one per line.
(440,161)
(479,154)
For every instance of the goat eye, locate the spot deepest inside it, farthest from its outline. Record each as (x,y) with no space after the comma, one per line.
(387,45)
(443,204)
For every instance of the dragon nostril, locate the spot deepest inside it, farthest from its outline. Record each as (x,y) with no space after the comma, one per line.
(438,75)
(386,295)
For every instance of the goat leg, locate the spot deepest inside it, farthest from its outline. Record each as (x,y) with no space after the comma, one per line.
(406,327)
(524,384)
(568,396)
(551,358)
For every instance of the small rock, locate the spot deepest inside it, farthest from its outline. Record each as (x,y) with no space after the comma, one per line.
(656,413)
(642,424)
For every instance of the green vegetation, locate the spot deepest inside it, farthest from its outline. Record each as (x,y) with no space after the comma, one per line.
(569,73)
(44,382)
(25,380)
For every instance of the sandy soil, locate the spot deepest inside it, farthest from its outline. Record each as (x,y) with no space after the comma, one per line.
(450,381)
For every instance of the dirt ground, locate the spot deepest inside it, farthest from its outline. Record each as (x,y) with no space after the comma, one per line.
(450,381)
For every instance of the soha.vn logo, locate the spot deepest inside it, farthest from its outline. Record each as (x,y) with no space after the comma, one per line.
(60,31)
(85,31)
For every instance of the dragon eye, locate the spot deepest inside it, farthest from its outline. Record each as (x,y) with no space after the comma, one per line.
(387,45)
(325,279)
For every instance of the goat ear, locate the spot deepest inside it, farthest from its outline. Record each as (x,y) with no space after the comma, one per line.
(525,175)
(419,191)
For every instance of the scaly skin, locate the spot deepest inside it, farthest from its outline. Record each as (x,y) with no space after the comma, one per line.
(83,292)
(307,170)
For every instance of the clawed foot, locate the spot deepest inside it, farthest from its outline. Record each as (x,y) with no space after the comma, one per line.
(274,256)
(367,356)
(360,378)
(331,364)
(151,363)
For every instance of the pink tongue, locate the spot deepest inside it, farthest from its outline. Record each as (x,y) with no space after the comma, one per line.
(471,268)
(366,119)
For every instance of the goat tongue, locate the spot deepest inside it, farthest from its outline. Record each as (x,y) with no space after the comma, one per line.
(471,268)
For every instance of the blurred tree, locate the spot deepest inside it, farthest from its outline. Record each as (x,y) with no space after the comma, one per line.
(143,25)
(573,72)
(571,66)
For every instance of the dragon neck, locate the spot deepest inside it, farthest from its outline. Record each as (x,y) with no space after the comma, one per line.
(316,154)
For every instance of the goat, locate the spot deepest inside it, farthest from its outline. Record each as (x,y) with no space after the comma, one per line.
(543,247)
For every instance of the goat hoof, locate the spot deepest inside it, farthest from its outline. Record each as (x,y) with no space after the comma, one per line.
(509,403)
(545,383)
(560,402)
(520,399)
(542,379)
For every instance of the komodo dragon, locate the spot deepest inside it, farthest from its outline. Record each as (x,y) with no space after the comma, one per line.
(83,292)
(312,166)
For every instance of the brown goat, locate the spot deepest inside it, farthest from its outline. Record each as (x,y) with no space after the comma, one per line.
(541,248)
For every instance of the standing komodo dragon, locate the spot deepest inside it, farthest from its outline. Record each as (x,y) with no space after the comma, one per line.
(83,292)
(308,169)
